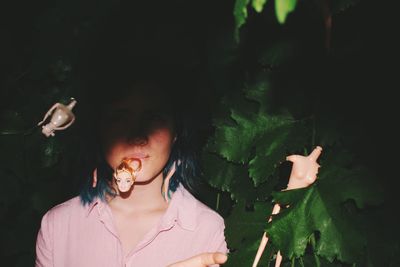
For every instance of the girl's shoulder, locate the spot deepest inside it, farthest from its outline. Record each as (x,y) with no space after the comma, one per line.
(194,213)
(205,227)
(73,207)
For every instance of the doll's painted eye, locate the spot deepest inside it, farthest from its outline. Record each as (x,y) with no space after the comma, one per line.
(118,180)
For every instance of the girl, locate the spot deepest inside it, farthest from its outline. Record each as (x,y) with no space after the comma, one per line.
(156,222)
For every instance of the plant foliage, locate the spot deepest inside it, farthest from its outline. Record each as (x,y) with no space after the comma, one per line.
(273,95)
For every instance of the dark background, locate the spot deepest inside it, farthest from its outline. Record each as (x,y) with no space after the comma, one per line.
(52,50)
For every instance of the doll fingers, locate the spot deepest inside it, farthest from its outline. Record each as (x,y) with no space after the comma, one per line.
(292,158)
(315,153)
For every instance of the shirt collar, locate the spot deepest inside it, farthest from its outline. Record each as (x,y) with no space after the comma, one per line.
(95,203)
(181,208)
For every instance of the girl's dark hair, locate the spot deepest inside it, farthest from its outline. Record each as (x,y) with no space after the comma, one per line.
(184,149)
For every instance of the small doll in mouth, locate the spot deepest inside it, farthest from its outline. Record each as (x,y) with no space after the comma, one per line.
(125,173)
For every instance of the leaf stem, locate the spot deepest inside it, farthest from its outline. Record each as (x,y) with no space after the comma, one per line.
(217,204)
(313,242)
(313,132)
(301,262)
(23,132)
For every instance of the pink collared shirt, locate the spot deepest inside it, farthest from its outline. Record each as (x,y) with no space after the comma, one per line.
(73,235)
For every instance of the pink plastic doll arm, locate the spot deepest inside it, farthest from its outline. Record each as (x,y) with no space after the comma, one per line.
(264,239)
(48,113)
(304,173)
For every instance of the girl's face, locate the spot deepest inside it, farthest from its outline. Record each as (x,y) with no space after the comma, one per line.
(138,126)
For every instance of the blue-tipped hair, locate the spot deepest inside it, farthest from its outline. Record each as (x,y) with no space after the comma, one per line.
(185,174)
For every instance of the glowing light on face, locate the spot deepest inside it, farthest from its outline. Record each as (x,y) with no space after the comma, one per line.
(125,173)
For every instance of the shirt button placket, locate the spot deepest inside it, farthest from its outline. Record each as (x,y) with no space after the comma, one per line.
(128,261)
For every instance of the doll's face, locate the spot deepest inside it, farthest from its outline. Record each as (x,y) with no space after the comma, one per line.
(124,181)
(138,126)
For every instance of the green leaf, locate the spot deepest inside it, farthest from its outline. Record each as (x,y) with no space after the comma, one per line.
(228,177)
(283,8)
(244,230)
(327,210)
(272,149)
(259,92)
(240,13)
(234,179)
(357,185)
(260,139)
(258,5)
(312,213)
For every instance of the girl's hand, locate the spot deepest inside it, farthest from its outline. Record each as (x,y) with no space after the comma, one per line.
(202,260)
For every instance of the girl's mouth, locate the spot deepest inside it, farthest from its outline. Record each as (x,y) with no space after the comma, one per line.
(138,155)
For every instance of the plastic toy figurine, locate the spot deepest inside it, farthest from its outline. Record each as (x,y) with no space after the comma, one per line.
(304,173)
(61,118)
(125,173)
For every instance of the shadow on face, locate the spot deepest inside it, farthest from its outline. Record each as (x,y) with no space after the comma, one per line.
(135,116)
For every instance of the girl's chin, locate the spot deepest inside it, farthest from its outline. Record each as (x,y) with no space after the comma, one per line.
(145,178)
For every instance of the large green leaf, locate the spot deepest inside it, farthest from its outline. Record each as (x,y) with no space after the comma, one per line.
(234,179)
(240,13)
(272,148)
(244,230)
(327,210)
(235,143)
(283,8)
(228,177)
(258,5)
(260,139)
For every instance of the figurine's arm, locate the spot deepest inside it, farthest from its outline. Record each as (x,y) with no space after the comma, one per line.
(48,113)
(264,239)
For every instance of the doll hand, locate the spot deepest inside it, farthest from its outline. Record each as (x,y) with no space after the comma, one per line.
(304,169)
(202,260)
